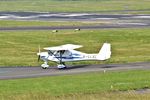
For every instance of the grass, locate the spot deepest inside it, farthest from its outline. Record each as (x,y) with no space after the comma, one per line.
(19,48)
(11,23)
(75,5)
(82,86)
(89,96)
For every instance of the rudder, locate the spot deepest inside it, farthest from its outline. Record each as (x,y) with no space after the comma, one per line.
(105,52)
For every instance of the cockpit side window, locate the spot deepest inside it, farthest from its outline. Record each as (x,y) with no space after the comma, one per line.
(63,53)
(67,53)
(57,53)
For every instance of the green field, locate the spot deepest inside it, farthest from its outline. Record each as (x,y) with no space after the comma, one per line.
(19,48)
(89,86)
(12,23)
(76,5)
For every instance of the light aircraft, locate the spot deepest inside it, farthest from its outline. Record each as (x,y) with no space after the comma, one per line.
(67,53)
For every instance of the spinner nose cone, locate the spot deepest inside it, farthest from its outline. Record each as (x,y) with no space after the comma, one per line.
(38,54)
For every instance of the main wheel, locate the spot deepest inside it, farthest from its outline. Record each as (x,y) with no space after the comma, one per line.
(61,66)
(44,67)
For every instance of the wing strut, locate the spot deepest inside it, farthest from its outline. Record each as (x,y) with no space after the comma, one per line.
(61,53)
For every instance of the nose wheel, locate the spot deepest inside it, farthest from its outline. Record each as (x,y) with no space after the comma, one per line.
(45,65)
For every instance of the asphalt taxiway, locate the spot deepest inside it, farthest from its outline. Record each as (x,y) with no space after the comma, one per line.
(31,72)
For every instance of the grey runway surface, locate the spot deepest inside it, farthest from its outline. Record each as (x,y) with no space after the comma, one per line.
(114,20)
(69,16)
(31,72)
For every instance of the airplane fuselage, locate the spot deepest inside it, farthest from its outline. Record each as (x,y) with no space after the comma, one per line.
(74,56)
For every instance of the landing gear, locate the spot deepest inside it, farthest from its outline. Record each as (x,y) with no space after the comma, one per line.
(61,65)
(45,65)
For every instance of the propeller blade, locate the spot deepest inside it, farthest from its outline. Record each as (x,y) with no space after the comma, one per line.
(39,54)
(38,58)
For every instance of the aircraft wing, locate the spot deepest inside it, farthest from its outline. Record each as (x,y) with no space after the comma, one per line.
(64,47)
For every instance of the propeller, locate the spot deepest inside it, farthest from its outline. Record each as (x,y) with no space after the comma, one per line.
(39,54)
(38,58)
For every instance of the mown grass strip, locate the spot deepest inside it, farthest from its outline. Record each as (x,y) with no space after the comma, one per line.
(19,48)
(89,84)
(12,23)
(74,5)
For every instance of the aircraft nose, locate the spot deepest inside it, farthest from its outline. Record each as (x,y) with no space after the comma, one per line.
(38,54)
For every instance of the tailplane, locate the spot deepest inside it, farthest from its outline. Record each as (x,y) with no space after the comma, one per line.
(105,52)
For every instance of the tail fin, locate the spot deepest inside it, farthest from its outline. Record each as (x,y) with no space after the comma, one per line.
(105,52)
